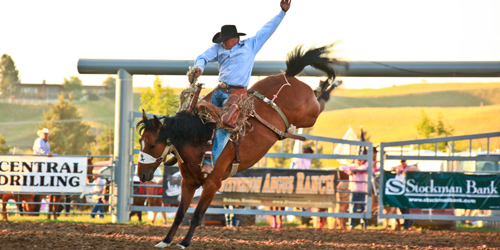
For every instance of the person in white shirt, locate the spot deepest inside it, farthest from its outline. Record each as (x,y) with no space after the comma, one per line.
(41,145)
(98,197)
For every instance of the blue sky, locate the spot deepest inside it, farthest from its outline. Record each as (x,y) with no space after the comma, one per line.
(46,38)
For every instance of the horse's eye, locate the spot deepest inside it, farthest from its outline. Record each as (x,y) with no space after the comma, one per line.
(152,146)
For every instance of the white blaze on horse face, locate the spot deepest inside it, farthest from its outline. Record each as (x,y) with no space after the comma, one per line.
(144,157)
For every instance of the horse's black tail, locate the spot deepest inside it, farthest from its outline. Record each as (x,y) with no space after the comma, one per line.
(298,59)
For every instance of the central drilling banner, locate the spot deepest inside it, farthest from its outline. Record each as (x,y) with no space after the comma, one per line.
(264,187)
(40,174)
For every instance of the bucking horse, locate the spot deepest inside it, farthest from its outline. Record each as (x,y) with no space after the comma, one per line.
(273,107)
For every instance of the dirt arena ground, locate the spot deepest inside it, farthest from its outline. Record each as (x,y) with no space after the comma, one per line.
(30,235)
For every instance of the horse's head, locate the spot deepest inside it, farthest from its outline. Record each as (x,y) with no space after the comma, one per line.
(153,152)
(90,169)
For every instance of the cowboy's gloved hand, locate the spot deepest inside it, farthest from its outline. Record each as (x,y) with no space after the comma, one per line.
(285,5)
(197,73)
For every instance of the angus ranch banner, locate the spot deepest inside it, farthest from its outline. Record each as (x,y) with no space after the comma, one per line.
(264,187)
(442,190)
(43,174)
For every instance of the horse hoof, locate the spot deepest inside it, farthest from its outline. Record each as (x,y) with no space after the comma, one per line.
(162,245)
(180,246)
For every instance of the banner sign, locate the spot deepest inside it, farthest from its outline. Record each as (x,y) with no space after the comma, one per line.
(264,187)
(40,174)
(442,190)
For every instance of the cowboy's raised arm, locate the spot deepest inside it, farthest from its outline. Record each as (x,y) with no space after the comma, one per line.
(268,29)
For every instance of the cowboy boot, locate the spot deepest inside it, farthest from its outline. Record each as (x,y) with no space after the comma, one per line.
(207,168)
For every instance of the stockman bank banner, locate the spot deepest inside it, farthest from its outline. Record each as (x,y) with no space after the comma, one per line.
(43,174)
(442,190)
(264,187)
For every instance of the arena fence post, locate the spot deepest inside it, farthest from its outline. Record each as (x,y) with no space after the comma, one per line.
(122,150)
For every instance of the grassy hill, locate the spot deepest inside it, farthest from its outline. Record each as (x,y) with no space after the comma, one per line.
(387,114)
(418,95)
(396,124)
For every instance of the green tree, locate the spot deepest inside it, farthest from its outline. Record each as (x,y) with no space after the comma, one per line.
(428,128)
(4,148)
(9,75)
(110,84)
(285,146)
(68,134)
(159,100)
(105,142)
(73,86)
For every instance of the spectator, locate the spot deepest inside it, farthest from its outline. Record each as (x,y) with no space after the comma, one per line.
(358,186)
(41,145)
(401,172)
(98,197)
(230,218)
(277,221)
(302,163)
(305,163)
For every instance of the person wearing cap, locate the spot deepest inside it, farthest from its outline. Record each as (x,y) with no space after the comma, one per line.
(235,58)
(41,145)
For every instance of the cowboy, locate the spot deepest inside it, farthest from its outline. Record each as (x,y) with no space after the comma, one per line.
(41,145)
(235,59)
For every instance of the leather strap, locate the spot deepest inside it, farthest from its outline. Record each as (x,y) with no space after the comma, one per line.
(226,87)
(236,162)
(274,106)
(281,135)
(194,101)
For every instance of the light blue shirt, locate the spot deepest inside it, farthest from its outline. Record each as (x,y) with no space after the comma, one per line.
(235,64)
(41,147)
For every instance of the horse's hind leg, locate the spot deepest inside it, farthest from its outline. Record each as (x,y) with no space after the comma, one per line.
(187,194)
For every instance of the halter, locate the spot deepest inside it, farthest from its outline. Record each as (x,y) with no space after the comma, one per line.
(148,159)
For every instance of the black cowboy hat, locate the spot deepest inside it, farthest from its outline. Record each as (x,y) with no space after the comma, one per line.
(226,32)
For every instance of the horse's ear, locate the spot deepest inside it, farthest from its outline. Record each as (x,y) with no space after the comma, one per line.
(156,123)
(144,117)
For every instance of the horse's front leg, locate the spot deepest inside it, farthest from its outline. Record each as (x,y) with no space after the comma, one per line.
(187,193)
(209,189)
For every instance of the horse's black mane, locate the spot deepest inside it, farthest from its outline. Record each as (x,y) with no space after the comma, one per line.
(181,129)
(298,59)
